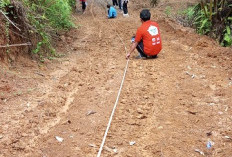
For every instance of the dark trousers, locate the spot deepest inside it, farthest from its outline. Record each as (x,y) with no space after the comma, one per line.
(115,2)
(140,49)
(125,10)
(83,6)
(120,4)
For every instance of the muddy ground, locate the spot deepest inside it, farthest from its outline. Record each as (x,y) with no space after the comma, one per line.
(171,106)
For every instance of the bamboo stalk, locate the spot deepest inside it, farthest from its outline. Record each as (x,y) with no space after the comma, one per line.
(203,7)
(211,10)
(215,6)
(223,4)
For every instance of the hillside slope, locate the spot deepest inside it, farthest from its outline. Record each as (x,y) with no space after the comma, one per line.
(169,106)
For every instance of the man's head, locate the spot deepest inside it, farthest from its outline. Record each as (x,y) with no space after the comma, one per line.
(145,15)
(108,6)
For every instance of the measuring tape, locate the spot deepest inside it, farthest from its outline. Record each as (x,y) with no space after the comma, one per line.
(112,114)
(116,102)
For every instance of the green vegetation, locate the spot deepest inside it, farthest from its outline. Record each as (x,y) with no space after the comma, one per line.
(168,11)
(72,3)
(4,3)
(47,17)
(201,20)
(213,18)
(41,20)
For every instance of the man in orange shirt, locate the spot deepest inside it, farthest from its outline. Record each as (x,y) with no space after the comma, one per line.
(147,40)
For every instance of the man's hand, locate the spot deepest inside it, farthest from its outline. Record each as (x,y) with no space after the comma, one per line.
(128,56)
(133,47)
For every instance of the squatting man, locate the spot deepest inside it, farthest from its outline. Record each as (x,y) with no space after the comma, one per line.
(147,40)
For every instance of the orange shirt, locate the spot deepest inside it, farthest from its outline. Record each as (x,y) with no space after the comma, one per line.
(149,32)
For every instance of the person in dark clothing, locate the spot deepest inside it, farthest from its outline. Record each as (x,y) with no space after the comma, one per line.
(83,3)
(120,4)
(115,2)
(140,47)
(125,9)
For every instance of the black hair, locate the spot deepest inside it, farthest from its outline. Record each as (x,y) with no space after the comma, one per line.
(145,15)
(108,6)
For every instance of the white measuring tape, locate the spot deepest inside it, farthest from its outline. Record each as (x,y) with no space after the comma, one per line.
(112,114)
(116,102)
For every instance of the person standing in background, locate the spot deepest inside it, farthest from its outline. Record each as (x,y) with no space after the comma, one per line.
(84,4)
(115,2)
(120,4)
(125,9)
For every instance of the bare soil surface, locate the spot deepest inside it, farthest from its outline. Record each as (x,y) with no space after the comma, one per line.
(170,106)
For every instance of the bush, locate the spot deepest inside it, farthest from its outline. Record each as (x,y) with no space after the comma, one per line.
(55,13)
(4,3)
(58,13)
(48,17)
(40,20)
(72,3)
(213,18)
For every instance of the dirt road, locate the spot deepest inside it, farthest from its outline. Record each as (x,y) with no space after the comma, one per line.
(169,106)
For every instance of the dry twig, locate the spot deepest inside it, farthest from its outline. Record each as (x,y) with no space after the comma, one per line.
(16,45)
(9,20)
